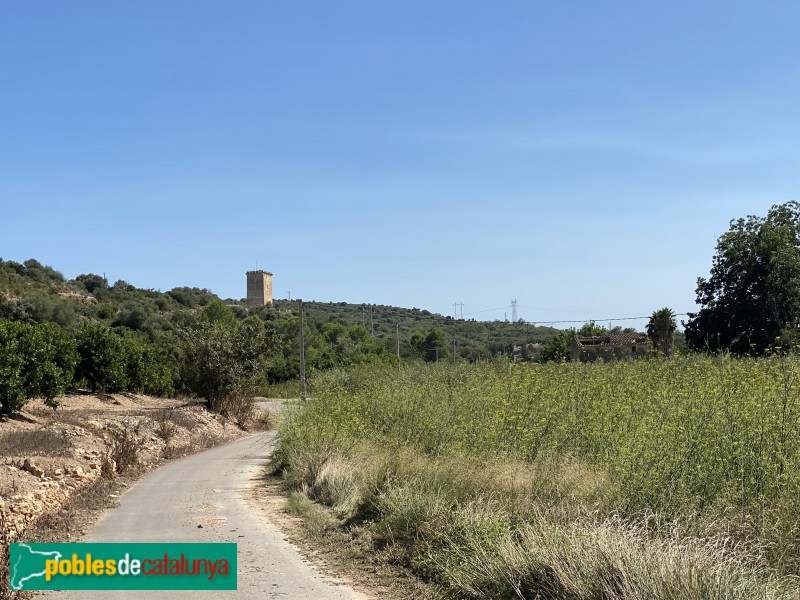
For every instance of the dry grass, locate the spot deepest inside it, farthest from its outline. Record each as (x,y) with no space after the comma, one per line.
(182,418)
(125,447)
(196,443)
(607,560)
(34,442)
(265,420)
(124,433)
(165,426)
(440,464)
(241,409)
(506,529)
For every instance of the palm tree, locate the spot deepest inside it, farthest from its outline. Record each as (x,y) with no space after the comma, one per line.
(660,329)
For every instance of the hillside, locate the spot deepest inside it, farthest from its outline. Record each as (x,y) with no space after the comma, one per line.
(34,292)
(474,339)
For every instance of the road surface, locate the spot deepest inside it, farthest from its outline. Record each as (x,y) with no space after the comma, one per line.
(208,489)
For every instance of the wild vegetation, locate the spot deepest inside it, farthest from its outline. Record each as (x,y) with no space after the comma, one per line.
(638,479)
(652,479)
(57,334)
(422,332)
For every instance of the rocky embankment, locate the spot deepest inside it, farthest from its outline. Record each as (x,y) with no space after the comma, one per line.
(46,455)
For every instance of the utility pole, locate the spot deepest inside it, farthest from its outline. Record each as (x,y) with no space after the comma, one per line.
(290,294)
(371,321)
(302,356)
(514,311)
(398,345)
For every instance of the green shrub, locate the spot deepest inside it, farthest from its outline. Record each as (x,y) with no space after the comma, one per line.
(223,359)
(146,371)
(36,360)
(101,358)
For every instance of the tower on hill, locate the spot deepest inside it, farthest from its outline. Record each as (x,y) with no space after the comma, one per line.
(259,288)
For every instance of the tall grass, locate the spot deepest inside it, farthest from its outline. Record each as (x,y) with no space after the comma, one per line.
(470,465)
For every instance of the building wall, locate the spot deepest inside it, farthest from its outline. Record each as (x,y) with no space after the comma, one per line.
(607,352)
(259,288)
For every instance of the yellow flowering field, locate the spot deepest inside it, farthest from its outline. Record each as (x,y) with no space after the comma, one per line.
(672,432)
(709,443)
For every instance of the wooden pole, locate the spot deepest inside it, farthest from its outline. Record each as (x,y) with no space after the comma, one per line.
(302,356)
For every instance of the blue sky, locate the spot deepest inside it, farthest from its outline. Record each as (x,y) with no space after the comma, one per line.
(580,157)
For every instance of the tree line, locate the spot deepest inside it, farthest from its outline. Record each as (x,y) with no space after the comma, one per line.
(215,357)
(57,334)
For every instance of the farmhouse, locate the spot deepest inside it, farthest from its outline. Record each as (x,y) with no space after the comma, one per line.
(609,347)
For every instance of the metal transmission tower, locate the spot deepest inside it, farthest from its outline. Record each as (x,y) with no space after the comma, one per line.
(513,311)
(456,306)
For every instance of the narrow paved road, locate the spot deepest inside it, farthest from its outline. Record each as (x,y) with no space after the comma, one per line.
(208,489)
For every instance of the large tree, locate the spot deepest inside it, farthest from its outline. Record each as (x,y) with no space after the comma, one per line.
(752,296)
(225,360)
(429,346)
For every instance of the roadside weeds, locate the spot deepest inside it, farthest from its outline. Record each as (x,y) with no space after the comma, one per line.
(339,554)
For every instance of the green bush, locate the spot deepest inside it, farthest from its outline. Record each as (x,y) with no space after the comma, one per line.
(191,297)
(145,370)
(46,308)
(223,359)
(36,360)
(101,358)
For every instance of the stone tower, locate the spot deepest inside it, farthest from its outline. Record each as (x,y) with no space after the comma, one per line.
(259,288)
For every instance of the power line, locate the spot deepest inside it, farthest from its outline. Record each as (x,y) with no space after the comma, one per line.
(596,320)
(514,305)
(487,310)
